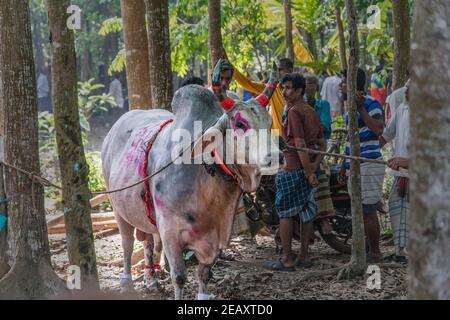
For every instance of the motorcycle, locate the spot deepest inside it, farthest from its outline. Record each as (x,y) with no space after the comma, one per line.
(260,206)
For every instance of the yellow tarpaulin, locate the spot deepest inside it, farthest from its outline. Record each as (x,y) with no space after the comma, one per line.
(276,102)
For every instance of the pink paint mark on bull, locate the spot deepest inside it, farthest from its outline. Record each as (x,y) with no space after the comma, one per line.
(135,157)
(240,124)
(194,231)
(158,202)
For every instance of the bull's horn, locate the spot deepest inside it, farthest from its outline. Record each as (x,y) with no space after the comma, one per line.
(264,98)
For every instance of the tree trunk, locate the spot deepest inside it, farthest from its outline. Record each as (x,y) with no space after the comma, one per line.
(159,53)
(358,259)
(340,27)
(215,31)
(136,48)
(429,272)
(38,47)
(322,42)
(72,161)
(310,41)
(4,266)
(364,56)
(85,59)
(288,18)
(31,275)
(400,20)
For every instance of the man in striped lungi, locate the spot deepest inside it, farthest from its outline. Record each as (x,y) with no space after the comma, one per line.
(397,131)
(371,125)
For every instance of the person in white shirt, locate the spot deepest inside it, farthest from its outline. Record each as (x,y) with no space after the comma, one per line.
(394,100)
(398,131)
(330,92)
(43,93)
(116,91)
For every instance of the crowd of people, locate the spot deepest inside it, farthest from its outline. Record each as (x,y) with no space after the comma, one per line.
(304,107)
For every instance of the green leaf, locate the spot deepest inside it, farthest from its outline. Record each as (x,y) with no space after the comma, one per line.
(119,63)
(111,25)
(188,255)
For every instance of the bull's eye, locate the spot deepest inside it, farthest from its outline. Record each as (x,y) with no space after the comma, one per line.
(240,125)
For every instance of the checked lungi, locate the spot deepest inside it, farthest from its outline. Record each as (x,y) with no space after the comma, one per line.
(399,215)
(322,195)
(294,196)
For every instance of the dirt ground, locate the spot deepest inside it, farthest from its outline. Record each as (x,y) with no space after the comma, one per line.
(246,277)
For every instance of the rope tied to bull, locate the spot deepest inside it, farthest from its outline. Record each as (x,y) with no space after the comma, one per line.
(44,182)
(34,178)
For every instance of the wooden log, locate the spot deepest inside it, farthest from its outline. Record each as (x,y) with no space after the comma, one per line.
(96,226)
(102,216)
(97,217)
(98,200)
(135,258)
(52,222)
(106,233)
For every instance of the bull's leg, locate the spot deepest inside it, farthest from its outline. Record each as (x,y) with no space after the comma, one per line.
(127,234)
(158,252)
(204,274)
(151,268)
(174,254)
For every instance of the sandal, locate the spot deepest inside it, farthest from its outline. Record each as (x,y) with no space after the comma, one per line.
(401,259)
(305,264)
(372,259)
(278,266)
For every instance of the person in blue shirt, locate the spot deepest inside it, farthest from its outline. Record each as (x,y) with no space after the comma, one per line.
(322,107)
(371,126)
(322,195)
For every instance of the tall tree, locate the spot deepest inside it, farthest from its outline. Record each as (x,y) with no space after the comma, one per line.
(215,31)
(400,18)
(136,48)
(340,27)
(31,275)
(4,267)
(85,72)
(310,41)
(429,272)
(159,53)
(288,18)
(358,259)
(72,161)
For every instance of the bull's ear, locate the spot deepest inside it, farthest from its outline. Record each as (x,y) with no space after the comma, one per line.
(212,138)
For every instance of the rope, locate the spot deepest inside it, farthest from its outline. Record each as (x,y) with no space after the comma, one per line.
(361,159)
(44,182)
(32,176)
